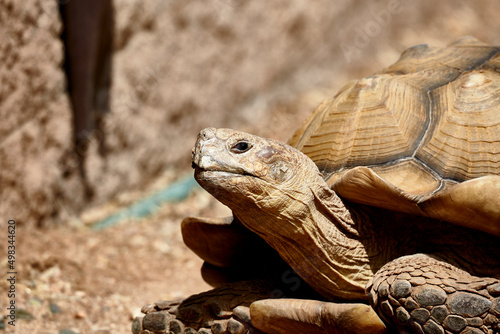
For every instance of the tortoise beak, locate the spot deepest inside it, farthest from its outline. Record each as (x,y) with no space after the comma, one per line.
(207,144)
(211,154)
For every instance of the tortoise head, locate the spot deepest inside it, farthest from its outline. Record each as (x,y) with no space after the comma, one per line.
(244,171)
(277,192)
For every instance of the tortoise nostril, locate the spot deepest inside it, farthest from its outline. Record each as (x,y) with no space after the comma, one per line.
(207,133)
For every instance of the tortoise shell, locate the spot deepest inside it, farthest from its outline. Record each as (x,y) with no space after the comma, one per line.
(420,137)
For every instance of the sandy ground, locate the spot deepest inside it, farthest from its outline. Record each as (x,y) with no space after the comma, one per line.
(86,281)
(74,279)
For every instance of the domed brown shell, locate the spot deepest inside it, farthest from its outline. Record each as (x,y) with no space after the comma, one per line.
(420,137)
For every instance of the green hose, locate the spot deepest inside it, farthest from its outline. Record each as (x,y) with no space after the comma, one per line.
(175,192)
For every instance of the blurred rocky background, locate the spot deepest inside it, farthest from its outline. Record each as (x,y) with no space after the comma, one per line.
(104,98)
(175,68)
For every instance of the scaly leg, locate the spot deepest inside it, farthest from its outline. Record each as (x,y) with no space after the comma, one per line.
(253,307)
(423,294)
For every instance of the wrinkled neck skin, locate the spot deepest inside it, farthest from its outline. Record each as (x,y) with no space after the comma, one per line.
(336,248)
(278,192)
(316,234)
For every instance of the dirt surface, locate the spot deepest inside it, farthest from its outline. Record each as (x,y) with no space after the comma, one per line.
(179,66)
(74,279)
(89,281)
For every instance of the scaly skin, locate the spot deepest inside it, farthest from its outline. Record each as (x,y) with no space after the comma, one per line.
(278,192)
(340,249)
(423,294)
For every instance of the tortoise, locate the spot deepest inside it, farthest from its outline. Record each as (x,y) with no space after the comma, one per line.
(389,194)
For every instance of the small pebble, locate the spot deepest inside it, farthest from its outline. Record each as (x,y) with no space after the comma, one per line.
(22,314)
(55,309)
(35,301)
(80,315)
(67,331)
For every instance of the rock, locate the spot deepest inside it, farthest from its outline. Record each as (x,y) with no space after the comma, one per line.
(67,331)
(22,314)
(54,308)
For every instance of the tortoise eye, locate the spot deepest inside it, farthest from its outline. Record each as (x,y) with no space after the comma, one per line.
(241,147)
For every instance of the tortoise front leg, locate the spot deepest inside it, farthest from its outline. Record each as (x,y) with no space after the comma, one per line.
(249,307)
(221,310)
(422,294)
